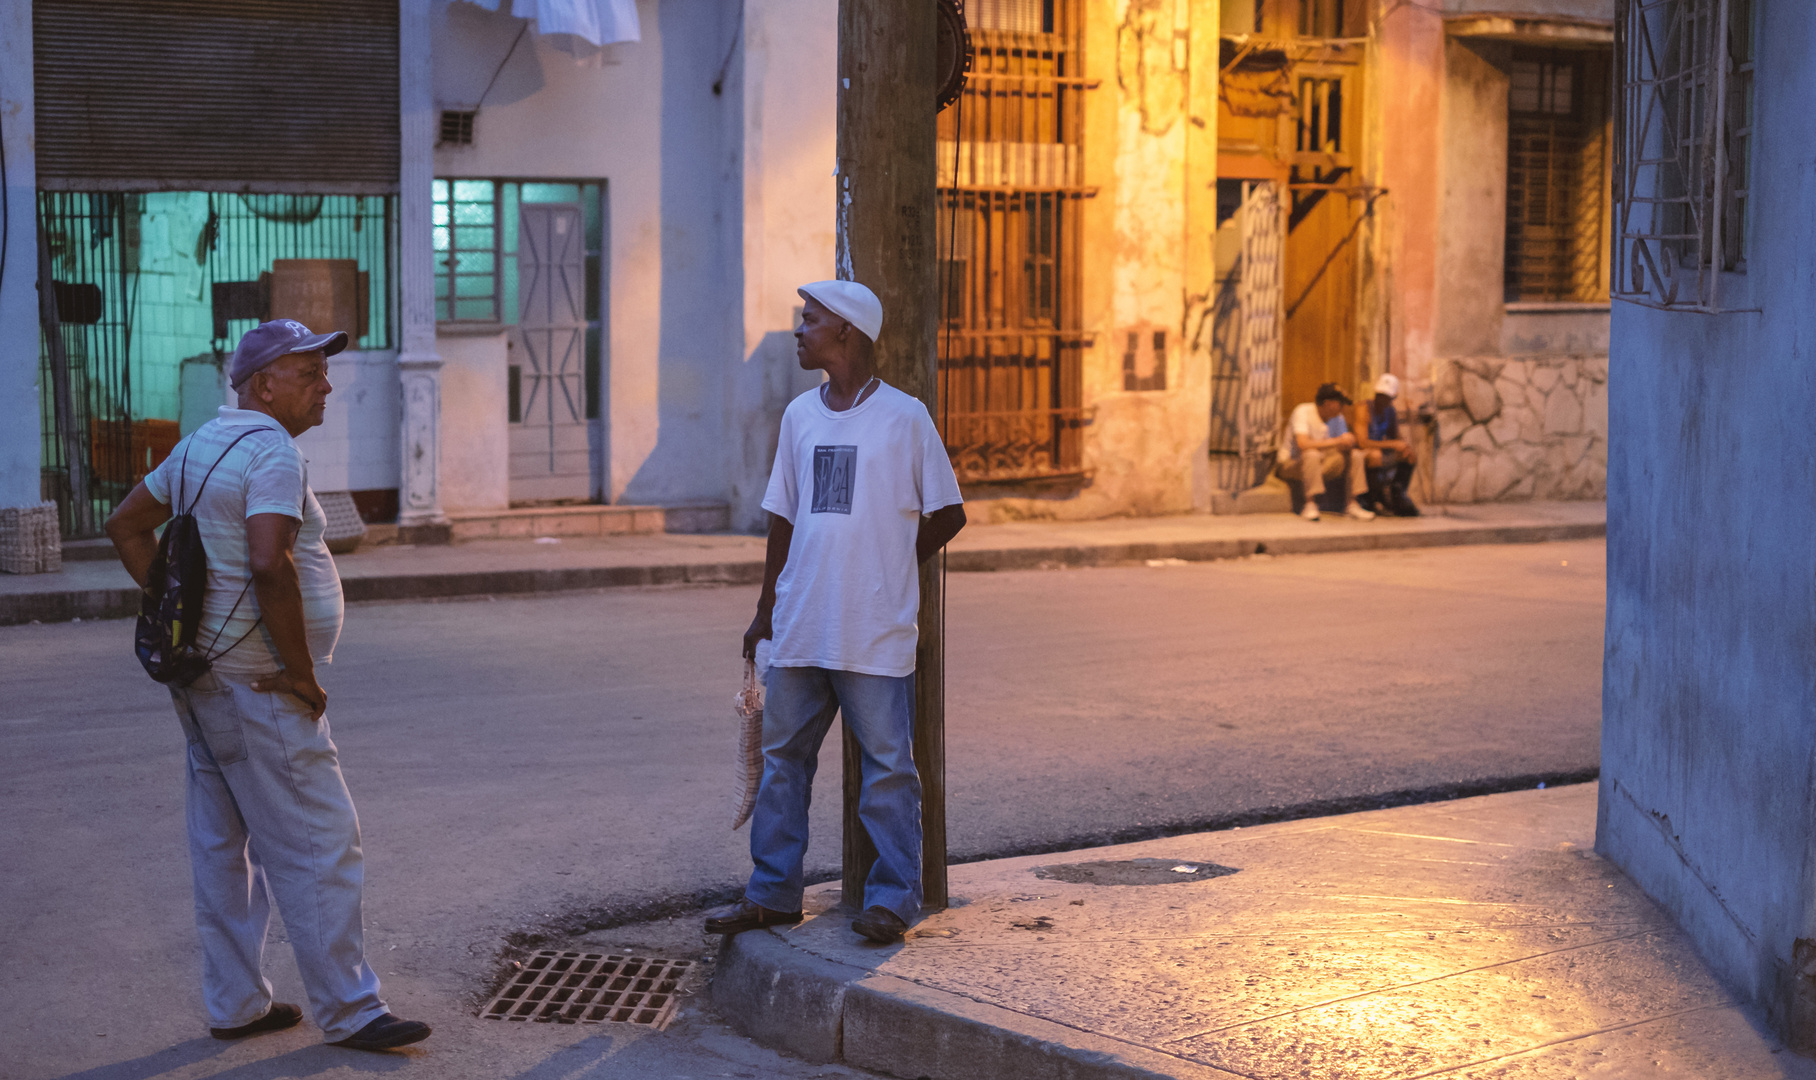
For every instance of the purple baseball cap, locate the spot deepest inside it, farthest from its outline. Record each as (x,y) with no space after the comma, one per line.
(268,341)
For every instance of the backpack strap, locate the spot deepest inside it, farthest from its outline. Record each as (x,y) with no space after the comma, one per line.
(217,464)
(210,653)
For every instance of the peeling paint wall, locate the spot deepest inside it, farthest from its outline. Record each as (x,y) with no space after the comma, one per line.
(1709,684)
(1148,265)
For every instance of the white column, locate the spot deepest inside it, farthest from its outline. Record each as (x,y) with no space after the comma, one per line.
(418,364)
(19,434)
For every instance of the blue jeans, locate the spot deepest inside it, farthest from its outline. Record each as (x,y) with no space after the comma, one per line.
(797,713)
(270,814)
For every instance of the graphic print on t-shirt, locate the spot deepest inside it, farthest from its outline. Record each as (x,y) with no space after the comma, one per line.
(834,473)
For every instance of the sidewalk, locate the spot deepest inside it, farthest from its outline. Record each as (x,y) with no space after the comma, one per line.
(1476,938)
(101,589)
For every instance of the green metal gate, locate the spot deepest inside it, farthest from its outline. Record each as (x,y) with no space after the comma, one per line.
(151,292)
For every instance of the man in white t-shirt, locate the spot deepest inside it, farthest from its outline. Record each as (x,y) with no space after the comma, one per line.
(861,494)
(268,812)
(1319,446)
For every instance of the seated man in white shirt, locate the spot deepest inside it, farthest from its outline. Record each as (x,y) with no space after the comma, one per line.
(1319,446)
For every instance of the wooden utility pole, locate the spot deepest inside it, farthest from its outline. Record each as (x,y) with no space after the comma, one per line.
(887,240)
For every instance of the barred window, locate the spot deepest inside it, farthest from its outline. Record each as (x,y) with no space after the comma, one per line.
(1556,168)
(1684,144)
(1011,181)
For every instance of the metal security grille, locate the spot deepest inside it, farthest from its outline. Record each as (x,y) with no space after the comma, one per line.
(154,289)
(592,988)
(1556,162)
(1011,175)
(1684,75)
(1261,296)
(236,95)
(86,383)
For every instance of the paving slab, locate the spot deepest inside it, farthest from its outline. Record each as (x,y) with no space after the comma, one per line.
(1475,938)
(100,589)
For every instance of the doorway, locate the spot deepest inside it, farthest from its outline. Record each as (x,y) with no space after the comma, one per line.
(550,452)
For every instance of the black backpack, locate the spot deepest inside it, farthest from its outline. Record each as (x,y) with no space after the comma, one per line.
(171,609)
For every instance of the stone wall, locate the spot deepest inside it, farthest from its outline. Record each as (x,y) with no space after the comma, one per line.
(1512,428)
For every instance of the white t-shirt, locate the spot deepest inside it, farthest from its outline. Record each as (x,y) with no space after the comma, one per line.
(855,485)
(264,474)
(1305,423)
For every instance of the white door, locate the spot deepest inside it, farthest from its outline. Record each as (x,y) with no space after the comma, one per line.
(549,454)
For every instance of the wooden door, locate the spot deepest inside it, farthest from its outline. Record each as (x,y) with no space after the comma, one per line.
(1321,342)
(550,458)
(1324,218)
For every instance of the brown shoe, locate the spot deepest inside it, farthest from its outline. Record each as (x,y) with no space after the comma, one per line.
(880,925)
(745,915)
(276,1018)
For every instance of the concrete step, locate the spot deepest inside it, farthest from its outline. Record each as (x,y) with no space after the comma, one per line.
(528,522)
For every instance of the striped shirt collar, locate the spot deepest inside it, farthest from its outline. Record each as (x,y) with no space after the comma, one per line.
(232,417)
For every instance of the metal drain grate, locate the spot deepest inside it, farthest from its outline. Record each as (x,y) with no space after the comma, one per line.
(592,988)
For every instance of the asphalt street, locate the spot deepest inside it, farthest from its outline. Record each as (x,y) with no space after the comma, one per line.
(561,763)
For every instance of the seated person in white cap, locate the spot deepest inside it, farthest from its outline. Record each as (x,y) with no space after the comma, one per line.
(1319,446)
(862,493)
(1389,458)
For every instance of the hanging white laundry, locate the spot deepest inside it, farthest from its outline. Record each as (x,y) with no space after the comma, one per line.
(596,22)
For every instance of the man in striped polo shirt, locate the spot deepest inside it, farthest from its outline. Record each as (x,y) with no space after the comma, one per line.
(269,814)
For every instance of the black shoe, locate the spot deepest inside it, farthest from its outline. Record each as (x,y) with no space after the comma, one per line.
(388,1032)
(1368,502)
(746,915)
(880,925)
(1403,506)
(276,1018)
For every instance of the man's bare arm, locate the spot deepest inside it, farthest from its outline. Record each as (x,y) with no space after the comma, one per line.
(775,557)
(269,540)
(937,529)
(133,530)
(1360,430)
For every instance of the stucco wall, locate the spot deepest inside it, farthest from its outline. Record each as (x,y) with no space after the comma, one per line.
(645,120)
(1472,243)
(356,447)
(785,82)
(1709,682)
(475,385)
(1597,10)
(1520,390)
(19,422)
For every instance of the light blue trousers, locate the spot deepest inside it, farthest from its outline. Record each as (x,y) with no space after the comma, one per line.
(269,814)
(797,712)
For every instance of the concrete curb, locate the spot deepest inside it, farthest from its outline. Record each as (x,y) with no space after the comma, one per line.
(827,1012)
(1031,558)
(115,603)
(18,608)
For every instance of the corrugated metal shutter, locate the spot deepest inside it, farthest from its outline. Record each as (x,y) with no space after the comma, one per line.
(218,95)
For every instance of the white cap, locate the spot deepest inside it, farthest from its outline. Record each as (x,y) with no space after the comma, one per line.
(1389,385)
(849,301)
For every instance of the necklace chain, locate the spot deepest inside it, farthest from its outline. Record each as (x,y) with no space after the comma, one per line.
(826,393)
